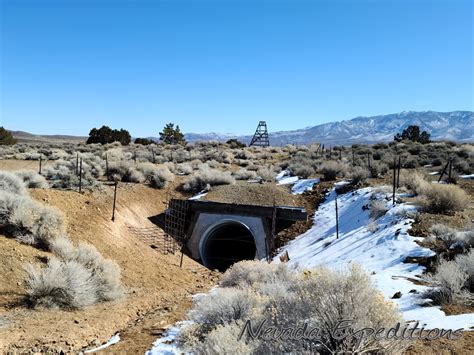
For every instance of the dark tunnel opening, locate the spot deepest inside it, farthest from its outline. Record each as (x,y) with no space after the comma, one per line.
(227,244)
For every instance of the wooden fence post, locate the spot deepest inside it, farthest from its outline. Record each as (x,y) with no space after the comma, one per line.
(444,170)
(450,170)
(77,164)
(398,171)
(40,164)
(394,179)
(337,218)
(80,176)
(107,165)
(115,198)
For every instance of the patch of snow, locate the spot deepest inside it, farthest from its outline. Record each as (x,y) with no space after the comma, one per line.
(470,176)
(198,196)
(427,166)
(303,185)
(166,345)
(380,252)
(282,174)
(288,180)
(114,340)
(435,173)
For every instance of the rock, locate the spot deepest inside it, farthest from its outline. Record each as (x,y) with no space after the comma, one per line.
(76,321)
(397,295)
(413,291)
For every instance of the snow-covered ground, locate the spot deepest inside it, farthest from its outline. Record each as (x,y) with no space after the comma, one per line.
(299,185)
(379,247)
(114,340)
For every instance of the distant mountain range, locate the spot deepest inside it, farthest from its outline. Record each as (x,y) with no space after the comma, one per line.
(25,137)
(456,126)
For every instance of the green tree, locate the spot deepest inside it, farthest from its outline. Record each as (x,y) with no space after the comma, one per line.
(412,133)
(172,135)
(6,137)
(143,141)
(105,135)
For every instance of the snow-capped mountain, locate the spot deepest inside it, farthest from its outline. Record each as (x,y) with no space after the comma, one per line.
(457,126)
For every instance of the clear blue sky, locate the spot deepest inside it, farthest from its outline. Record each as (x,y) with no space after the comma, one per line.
(68,66)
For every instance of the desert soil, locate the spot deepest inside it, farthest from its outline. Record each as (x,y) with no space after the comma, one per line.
(158,290)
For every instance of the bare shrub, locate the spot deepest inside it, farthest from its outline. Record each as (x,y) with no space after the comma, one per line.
(244,154)
(266,173)
(29,220)
(207,176)
(242,162)
(319,298)
(62,284)
(414,181)
(244,174)
(134,175)
(32,179)
(332,169)
(81,277)
(223,307)
(184,169)
(160,178)
(446,238)
(444,199)
(157,177)
(466,263)
(11,183)
(218,341)
(302,169)
(378,169)
(452,281)
(250,272)
(377,209)
(358,174)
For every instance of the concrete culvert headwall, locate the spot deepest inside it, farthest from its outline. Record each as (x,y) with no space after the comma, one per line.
(226,243)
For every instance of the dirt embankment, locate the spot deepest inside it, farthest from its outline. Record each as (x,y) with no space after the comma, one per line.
(158,290)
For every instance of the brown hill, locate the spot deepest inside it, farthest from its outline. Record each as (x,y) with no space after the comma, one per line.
(158,289)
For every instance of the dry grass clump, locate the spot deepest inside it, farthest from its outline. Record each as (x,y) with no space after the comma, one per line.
(244,174)
(377,209)
(249,272)
(29,221)
(453,281)
(11,183)
(414,181)
(332,169)
(260,292)
(157,177)
(435,198)
(446,238)
(358,174)
(206,177)
(266,173)
(444,199)
(80,277)
(32,179)
(301,168)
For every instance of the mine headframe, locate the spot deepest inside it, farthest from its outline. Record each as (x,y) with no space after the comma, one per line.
(260,138)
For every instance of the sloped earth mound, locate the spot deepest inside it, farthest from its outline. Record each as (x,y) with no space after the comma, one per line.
(158,290)
(247,193)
